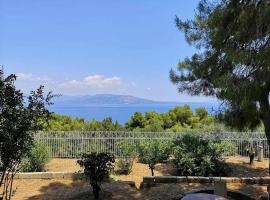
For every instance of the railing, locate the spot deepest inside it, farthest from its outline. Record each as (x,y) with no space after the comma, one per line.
(73,144)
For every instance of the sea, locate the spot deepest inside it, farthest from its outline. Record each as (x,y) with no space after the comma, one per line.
(122,113)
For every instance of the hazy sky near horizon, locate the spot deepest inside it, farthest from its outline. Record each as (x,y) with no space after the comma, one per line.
(88,47)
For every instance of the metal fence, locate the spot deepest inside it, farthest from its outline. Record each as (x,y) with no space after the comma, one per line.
(73,144)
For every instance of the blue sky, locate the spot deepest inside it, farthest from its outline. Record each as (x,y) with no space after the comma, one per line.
(88,47)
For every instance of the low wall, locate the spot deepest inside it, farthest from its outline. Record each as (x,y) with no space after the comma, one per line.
(49,175)
(150,179)
(199,179)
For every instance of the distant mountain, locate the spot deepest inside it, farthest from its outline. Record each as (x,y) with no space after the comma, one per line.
(101,99)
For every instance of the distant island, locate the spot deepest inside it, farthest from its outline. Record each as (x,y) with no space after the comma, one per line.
(118,107)
(104,99)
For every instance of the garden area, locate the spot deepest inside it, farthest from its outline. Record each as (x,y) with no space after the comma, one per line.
(192,155)
(154,156)
(128,186)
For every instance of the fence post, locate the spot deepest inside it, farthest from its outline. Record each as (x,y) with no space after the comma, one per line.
(260,153)
(220,188)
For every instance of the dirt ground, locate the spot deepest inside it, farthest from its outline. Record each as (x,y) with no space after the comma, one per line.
(239,167)
(119,189)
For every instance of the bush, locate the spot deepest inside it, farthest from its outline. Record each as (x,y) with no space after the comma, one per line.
(97,167)
(153,152)
(36,159)
(124,165)
(226,148)
(194,156)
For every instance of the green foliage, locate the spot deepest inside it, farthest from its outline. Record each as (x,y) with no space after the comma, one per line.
(136,121)
(197,157)
(201,113)
(232,63)
(153,152)
(181,114)
(177,128)
(66,123)
(178,119)
(19,119)
(223,147)
(36,159)
(153,127)
(124,165)
(97,167)
(167,120)
(128,149)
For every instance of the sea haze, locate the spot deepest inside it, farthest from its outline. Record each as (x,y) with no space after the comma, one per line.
(118,107)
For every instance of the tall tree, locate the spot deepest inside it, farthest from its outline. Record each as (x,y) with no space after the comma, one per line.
(19,119)
(232,63)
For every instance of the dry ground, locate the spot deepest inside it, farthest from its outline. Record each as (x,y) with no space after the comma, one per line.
(239,167)
(73,190)
(119,189)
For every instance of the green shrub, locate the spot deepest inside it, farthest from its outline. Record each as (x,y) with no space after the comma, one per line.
(97,167)
(36,159)
(124,165)
(226,148)
(194,156)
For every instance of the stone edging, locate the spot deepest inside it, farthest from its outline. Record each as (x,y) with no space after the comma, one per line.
(49,175)
(150,179)
(200,179)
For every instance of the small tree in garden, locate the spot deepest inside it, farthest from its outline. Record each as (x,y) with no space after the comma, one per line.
(153,152)
(124,165)
(97,167)
(18,121)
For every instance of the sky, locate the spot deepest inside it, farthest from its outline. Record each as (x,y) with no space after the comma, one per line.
(88,47)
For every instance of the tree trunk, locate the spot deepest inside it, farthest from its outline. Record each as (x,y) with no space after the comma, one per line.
(152,170)
(96,189)
(151,167)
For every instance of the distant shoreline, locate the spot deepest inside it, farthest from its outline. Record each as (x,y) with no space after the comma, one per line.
(120,112)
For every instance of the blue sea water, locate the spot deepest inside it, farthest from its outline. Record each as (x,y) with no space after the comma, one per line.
(122,113)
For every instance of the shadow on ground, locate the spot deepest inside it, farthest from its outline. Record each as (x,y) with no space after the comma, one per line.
(80,189)
(166,169)
(246,170)
(121,190)
(252,191)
